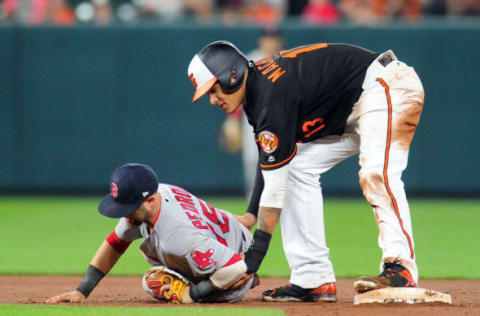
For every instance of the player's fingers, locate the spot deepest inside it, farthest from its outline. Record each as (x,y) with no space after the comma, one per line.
(51,300)
(69,297)
(77,298)
(164,289)
(58,299)
(256,281)
(241,282)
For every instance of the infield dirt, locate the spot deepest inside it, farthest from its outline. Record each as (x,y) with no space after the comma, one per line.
(127,291)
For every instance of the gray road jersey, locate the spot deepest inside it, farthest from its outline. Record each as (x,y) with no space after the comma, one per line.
(189,235)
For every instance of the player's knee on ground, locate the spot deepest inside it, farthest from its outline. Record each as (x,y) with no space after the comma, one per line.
(227,276)
(373,187)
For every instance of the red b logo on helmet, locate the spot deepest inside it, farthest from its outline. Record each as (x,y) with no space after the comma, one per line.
(114,192)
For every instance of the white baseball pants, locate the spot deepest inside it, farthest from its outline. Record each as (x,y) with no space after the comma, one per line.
(380,129)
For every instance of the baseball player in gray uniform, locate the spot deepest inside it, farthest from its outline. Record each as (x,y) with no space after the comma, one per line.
(180,231)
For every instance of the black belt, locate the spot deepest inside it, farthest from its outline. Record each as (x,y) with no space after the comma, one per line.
(386,59)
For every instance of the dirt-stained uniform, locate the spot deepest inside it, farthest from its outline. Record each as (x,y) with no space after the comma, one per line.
(312,107)
(189,236)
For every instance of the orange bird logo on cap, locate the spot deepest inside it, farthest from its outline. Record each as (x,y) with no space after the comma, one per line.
(191,77)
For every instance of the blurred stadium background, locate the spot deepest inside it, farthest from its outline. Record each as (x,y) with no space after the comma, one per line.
(86,86)
(89,85)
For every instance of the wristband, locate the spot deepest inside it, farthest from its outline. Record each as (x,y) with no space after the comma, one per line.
(201,290)
(257,251)
(90,280)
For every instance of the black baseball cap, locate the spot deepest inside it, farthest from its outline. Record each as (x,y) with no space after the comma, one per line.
(131,184)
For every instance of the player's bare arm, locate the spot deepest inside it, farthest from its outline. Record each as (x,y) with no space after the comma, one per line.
(248,220)
(266,223)
(268,218)
(105,258)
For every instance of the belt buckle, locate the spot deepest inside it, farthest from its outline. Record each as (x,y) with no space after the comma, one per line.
(385,59)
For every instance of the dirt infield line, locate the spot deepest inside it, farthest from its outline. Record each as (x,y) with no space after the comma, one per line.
(127,291)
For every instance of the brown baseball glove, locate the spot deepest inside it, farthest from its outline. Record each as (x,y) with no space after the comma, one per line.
(166,285)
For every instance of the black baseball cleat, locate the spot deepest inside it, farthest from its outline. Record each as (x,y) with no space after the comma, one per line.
(393,275)
(293,293)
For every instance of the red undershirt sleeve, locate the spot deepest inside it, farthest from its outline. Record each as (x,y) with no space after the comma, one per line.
(234,259)
(116,243)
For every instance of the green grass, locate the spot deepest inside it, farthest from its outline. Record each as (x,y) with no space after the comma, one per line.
(35,310)
(50,235)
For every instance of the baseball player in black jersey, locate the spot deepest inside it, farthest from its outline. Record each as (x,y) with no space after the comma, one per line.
(312,107)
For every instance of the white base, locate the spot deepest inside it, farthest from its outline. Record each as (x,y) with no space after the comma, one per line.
(409,295)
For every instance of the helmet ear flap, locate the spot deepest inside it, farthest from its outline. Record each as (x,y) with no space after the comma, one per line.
(233,77)
(224,80)
(230,85)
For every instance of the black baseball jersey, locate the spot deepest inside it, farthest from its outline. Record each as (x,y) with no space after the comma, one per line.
(301,95)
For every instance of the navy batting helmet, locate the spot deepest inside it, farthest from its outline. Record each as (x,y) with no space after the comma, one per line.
(131,185)
(217,61)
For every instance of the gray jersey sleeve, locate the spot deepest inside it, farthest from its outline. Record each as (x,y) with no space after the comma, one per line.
(208,255)
(127,232)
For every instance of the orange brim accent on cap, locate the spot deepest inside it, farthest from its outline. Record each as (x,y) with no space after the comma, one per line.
(200,91)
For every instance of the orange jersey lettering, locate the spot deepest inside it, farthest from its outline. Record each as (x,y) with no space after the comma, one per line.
(270,69)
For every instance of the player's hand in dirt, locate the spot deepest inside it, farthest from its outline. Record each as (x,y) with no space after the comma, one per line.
(68,297)
(247,220)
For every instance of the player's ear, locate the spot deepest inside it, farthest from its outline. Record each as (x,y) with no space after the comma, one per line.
(147,203)
(150,199)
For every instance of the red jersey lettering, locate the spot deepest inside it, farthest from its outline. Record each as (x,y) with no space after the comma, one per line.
(212,214)
(219,238)
(180,191)
(191,216)
(189,207)
(198,224)
(184,199)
